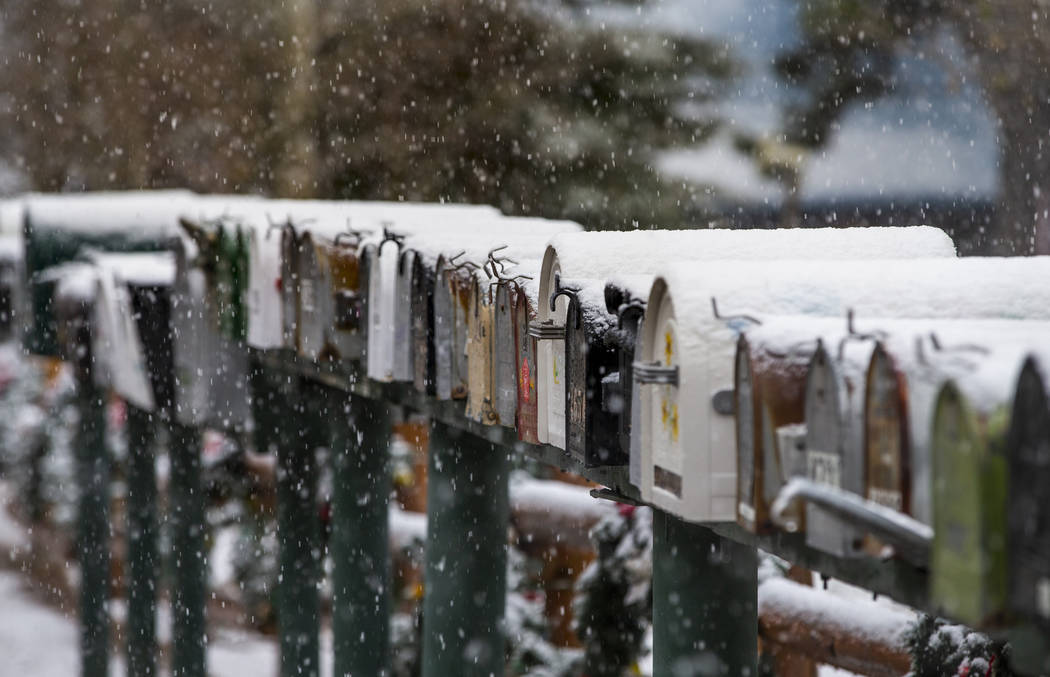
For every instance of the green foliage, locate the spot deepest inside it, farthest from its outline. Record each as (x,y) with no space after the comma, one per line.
(939,648)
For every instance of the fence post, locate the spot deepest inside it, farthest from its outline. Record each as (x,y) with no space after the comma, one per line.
(287,418)
(142,543)
(189,570)
(359,546)
(466,555)
(705,602)
(93,525)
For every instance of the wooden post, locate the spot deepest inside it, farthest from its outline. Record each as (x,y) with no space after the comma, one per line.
(705,601)
(466,555)
(142,543)
(189,570)
(360,432)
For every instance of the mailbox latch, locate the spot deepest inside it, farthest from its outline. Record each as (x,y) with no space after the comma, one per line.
(654,373)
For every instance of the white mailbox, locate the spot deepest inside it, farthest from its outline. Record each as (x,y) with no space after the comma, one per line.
(681,330)
(603,255)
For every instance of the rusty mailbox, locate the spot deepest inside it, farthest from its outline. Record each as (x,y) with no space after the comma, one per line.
(1028,508)
(527,413)
(715,302)
(772,361)
(424,367)
(452,287)
(479,350)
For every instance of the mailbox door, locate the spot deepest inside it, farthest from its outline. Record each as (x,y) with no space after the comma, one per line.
(527,413)
(194,341)
(119,358)
(263,297)
(825,444)
(311,313)
(967,560)
(423,328)
(346,329)
(152,310)
(444,321)
(290,288)
(575,376)
(747,472)
(462,286)
(478,356)
(886,435)
(366,262)
(504,357)
(403,346)
(382,313)
(1028,537)
(668,460)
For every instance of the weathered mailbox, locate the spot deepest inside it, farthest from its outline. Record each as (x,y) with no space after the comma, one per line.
(700,484)
(834,428)
(1028,508)
(424,369)
(58,227)
(601,256)
(769,379)
(480,384)
(527,407)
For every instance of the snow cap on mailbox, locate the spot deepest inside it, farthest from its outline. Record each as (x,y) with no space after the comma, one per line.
(58,226)
(687,429)
(598,256)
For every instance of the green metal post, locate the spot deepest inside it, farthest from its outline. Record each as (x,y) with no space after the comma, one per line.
(288,417)
(705,602)
(466,555)
(142,543)
(189,570)
(359,546)
(93,528)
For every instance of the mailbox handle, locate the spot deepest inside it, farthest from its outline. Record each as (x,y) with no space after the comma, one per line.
(574,299)
(633,309)
(910,537)
(654,373)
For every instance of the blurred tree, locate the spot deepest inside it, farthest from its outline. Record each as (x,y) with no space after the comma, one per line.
(521,104)
(848,55)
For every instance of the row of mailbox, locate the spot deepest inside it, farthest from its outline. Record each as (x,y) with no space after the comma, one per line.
(715,364)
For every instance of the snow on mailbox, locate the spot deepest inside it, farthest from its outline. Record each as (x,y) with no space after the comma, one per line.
(1028,508)
(688,429)
(57,227)
(603,256)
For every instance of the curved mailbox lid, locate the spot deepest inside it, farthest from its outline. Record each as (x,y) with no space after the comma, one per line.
(925,288)
(1028,536)
(609,254)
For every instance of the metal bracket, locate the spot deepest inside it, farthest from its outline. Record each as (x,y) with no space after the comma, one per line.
(547,331)
(654,373)
(730,318)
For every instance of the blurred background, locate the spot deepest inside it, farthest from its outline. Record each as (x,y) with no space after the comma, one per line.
(670,113)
